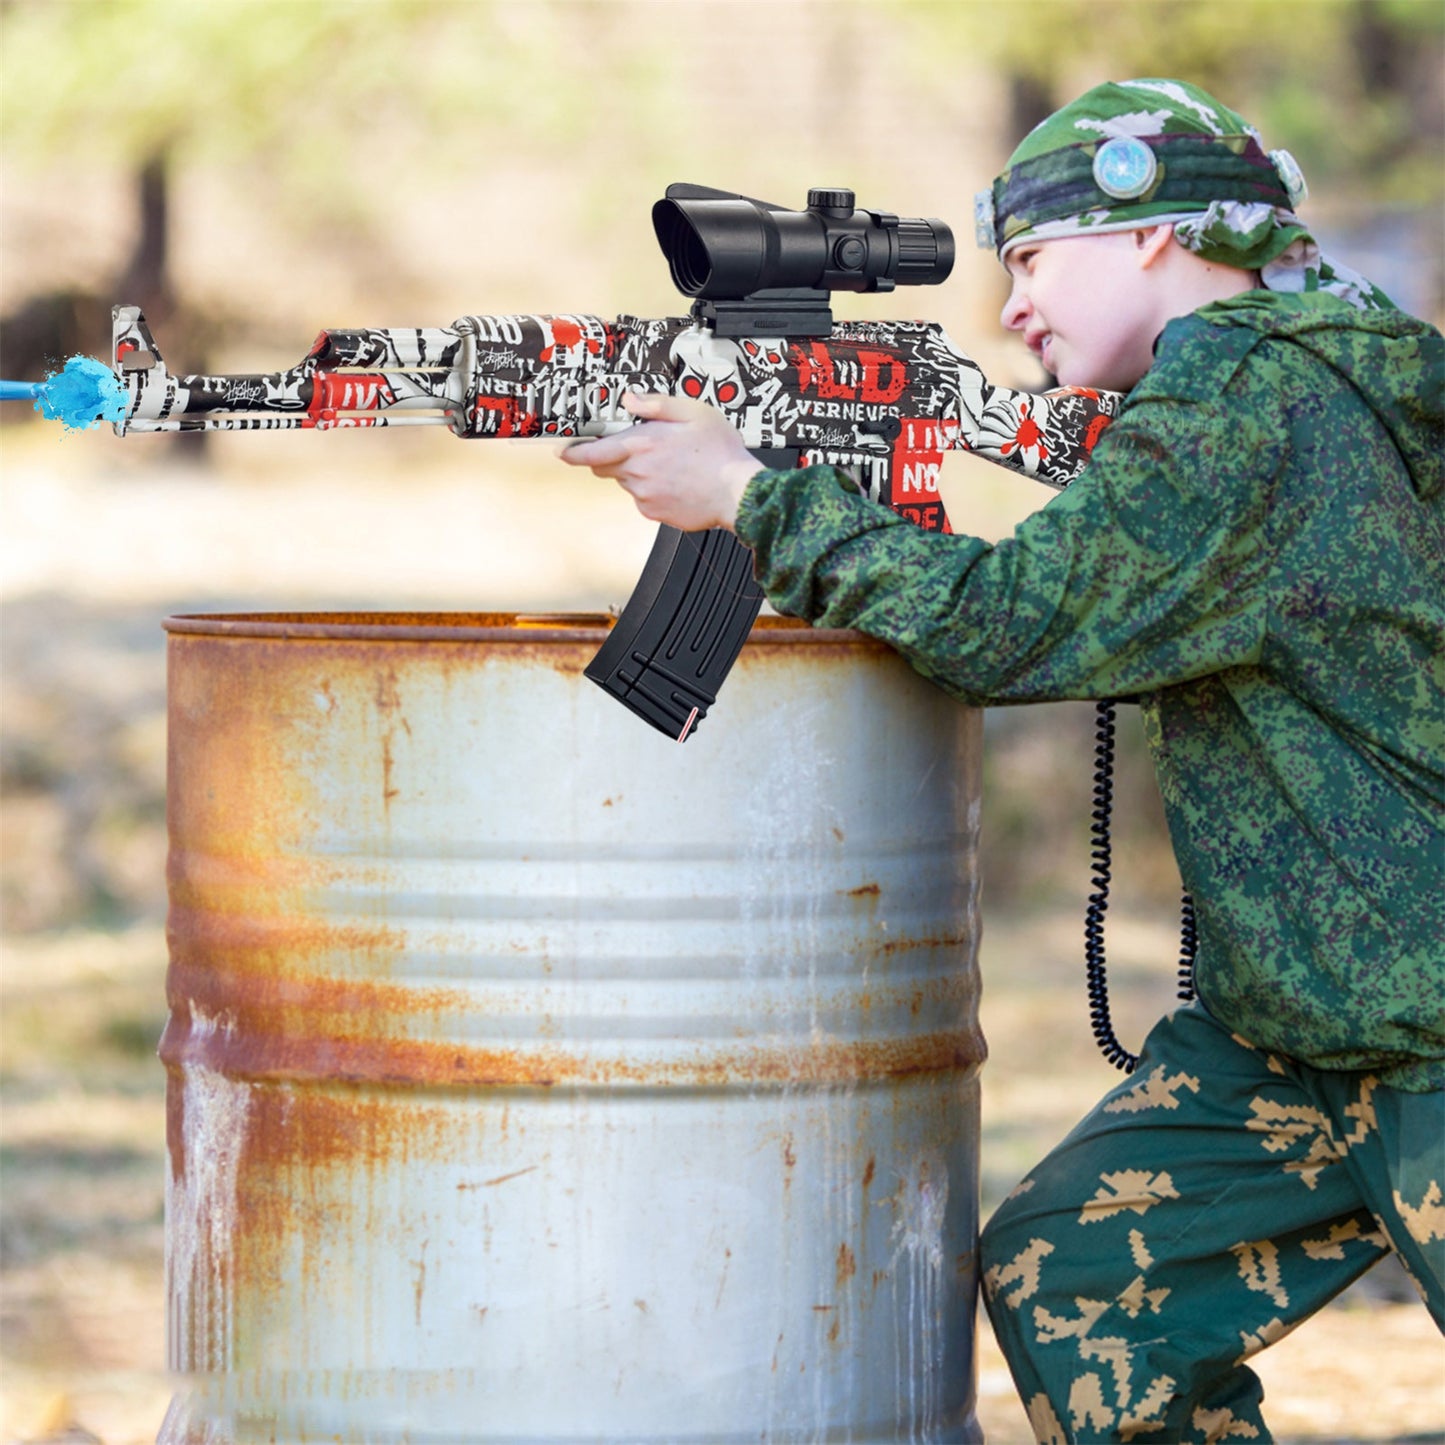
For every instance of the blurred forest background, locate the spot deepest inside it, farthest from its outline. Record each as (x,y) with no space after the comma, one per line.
(250,171)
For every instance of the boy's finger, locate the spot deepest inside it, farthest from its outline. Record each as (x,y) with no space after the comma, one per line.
(641,403)
(656,406)
(596,451)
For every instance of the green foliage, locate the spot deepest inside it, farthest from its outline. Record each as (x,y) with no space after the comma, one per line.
(328,96)
(1060,41)
(319,113)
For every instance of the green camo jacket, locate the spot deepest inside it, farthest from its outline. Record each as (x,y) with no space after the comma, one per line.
(1257,552)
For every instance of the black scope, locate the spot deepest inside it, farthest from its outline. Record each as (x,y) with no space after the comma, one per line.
(724,247)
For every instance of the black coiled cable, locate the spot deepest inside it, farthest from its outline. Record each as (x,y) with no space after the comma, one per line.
(1101,856)
(1188,947)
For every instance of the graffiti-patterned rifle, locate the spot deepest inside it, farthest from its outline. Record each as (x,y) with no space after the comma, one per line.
(881,399)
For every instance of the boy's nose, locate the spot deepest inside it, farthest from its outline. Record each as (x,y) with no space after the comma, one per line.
(1015,310)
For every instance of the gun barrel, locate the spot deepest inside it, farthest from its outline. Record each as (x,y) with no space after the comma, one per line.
(411,376)
(280,422)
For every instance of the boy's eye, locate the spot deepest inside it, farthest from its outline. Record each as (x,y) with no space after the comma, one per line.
(1021,261)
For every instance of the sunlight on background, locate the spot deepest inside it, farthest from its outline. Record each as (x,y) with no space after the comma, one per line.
(250,171)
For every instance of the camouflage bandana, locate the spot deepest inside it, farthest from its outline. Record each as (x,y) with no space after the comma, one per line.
(1151,152)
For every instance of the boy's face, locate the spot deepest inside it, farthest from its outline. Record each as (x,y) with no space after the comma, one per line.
(1086,308)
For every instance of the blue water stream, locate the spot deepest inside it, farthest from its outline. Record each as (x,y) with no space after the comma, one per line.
(83,393)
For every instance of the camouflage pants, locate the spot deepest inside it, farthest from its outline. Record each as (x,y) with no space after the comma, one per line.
(1208,1204)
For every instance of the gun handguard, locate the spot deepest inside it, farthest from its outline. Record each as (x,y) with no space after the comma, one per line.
(881,399)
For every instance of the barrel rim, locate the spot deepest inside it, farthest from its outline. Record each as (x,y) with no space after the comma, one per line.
(478,627)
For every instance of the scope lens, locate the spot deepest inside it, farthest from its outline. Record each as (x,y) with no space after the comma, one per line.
(686,255)
(713,248)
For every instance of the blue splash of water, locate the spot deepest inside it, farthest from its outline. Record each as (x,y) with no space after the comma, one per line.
(82,394)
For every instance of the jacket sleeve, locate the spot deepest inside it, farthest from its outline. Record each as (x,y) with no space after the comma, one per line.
(1148,571)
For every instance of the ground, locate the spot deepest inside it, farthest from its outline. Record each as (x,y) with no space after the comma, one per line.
(82,1322)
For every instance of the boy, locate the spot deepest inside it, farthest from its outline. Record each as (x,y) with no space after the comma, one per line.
(1255,552)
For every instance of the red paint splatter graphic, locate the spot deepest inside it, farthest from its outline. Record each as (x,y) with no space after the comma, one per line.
(1026,435)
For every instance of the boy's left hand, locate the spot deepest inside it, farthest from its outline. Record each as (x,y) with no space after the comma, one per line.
(686,465)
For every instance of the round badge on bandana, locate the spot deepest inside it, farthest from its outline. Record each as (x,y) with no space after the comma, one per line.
(1124,167)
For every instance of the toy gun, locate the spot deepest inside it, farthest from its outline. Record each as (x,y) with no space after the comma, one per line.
(881,399)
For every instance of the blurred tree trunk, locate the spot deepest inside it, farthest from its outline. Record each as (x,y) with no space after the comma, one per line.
(1030,101)
(145,279)
(53,325)
(1380,48)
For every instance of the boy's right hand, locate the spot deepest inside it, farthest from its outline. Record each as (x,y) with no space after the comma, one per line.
(686,465)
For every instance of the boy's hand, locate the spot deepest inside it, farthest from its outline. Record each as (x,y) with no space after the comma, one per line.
(686,466)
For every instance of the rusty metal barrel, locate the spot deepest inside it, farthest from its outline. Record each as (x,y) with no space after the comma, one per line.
(534,1078)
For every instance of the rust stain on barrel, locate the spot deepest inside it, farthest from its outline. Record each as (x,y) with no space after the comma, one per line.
(262,1043)
(290,996)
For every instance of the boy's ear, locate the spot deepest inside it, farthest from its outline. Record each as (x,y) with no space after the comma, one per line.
(1151,242)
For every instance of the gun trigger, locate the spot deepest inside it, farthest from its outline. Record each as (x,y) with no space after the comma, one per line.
(887,427)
